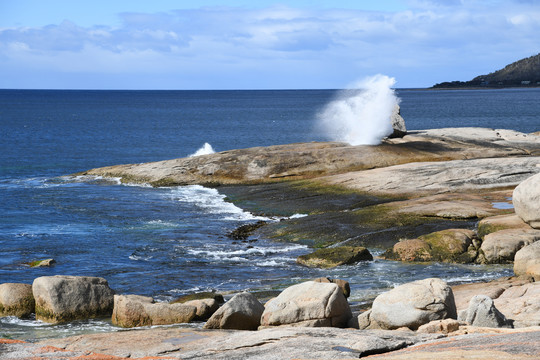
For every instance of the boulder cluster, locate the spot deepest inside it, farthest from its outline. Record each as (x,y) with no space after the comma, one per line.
(510,238)
(426,305)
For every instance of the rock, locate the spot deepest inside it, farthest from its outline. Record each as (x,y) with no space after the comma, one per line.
(335,256)
(193,343)
(199,296)
(439,326)
(134,310)
(243,232)
(526,199)
(42,263)
(343,284)
(482,312)
(297,161)
(500,222)
(398,124)
(64,298)
(310,303)
(412,305)
(205,308)
(463,293)
(520,304)
(451,245)
(206,303)
(501,246)
(527,261)
(16,300)
(422,178)
(242,312)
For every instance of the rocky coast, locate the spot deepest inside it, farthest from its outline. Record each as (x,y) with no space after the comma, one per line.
(465,195)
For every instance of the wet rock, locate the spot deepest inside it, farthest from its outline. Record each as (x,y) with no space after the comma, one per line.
(242,312)
(526,199)
(440,326)
(311,304)
(482,312)
(343,284)
(501,246)
(451,245)
(245,231)
(64,298)
(527,261)
(134,310)
(335,256)
(16,300)
(500,222)
(411,305)
(42,263)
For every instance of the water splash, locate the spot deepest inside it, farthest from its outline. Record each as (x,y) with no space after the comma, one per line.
(204,150)
(361,114)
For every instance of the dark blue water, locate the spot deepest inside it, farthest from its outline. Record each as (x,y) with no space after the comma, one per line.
(171,241)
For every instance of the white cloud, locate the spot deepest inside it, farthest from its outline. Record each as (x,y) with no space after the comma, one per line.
(285,47)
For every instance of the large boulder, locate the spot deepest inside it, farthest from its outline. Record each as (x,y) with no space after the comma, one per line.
(501,246)
(482,312)
(16,300)
(500,222)
(335,256)
(526,199)
(527,261)
(398,124)
(63,298)
(520,304)
(134,310)
(451,245)
(411,305)
(308,304)
(242,312)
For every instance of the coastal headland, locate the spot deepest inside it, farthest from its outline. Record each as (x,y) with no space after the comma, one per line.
(432,195)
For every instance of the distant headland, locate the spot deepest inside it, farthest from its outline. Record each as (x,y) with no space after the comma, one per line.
(522,73)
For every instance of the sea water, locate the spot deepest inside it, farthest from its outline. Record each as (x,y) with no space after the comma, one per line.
(167,242)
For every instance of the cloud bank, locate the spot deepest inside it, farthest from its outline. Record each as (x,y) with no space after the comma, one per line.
(273,47)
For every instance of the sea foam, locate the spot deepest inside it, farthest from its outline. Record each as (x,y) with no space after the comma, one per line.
(206,149)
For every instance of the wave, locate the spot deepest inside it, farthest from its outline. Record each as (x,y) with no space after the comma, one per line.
(212,202)
(264,251)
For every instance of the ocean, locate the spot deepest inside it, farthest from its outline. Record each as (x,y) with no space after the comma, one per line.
(167,242)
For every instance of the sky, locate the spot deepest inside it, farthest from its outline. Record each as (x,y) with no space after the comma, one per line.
(258,44)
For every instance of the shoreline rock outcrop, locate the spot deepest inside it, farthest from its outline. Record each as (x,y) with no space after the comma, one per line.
(410,305)
(311,304)
(63,298)
(242,312)
(526,199)
(135,310)
(16,300)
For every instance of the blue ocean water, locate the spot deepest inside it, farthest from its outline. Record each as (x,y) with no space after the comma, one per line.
(168,242)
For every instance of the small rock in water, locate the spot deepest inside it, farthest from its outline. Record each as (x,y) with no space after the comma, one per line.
(332,257)
(42,263)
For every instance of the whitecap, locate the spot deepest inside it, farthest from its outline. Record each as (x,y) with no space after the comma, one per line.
(212,202)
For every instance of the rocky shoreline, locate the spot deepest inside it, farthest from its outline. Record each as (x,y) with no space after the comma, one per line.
(436,195)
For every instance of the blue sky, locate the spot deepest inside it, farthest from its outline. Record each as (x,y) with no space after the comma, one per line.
(263,44)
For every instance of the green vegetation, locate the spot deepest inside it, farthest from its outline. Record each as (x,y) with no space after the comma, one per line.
(522,73)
